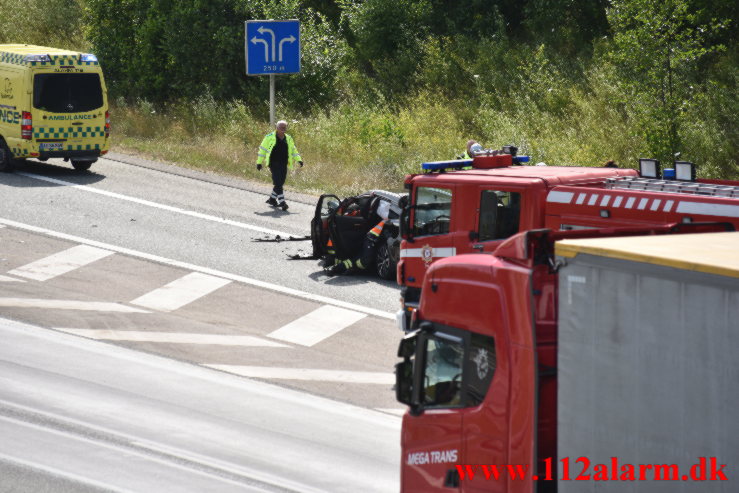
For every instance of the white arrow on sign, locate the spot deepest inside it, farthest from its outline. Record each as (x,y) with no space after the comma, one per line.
(291,39)
(262,30)
(256,40)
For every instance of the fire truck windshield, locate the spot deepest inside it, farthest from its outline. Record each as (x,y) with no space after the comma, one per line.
(432,211)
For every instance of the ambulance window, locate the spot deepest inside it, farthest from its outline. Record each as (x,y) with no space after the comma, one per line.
(432,212)
(67,93)
(499,214)
(442,375)
(480,368)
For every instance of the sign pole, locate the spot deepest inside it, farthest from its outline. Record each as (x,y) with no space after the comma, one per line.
(272,48)
(272,99)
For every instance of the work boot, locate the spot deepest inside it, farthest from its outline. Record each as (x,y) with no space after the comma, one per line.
(328,261)
(271,201)
(284,206)
(336,270)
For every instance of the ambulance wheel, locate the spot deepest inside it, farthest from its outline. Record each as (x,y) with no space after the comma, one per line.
(81,165)
(6,158)
(386,261)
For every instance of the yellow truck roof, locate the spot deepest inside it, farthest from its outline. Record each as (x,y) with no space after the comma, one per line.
(713,253)
(19,54)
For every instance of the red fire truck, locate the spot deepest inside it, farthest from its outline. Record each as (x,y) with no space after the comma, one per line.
(576,361)
(454,209)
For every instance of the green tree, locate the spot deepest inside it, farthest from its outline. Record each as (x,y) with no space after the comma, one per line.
(167,50)
(387,37)
(658,46)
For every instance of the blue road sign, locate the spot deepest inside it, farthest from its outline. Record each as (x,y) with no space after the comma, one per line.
(272,47)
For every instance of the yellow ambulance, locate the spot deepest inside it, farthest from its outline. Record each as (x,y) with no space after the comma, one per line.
(53,104)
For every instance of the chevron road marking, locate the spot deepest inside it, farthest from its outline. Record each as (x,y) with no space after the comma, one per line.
(60,263)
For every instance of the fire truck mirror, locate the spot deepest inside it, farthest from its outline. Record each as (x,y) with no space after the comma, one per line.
(405,224)
(404,382)
(407,348)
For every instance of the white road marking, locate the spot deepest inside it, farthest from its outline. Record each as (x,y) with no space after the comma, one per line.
(274,373)
(171,337)
(92,306)
(316,326)
(156,205)
(60,263)
(184,265)
(154,363)
(119,450)
(10,279)
(180,292)
(239,469)
(393,411)
(53,471)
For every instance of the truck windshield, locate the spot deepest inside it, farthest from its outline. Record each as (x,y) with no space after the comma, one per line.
(443,372)
(457,373)
(432,211)
(67,93)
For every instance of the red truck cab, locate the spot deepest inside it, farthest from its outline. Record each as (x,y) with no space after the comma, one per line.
(479,368)
(475,374)
(455,211)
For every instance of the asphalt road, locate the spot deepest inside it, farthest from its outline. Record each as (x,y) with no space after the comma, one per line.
(83,416)
(159,318)
(199,218)
(148,229)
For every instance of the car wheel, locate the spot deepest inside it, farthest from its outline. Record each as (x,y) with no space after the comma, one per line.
(386,261)
(6,158)
(81,165)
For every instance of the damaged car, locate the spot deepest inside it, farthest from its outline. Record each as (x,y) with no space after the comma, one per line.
(343,224)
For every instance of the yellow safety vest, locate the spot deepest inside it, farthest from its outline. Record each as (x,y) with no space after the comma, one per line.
(268,143)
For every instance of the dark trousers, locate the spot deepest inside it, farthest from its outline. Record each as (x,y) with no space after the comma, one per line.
(279,174)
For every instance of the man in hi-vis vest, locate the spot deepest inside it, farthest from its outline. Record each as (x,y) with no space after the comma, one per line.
(279,152)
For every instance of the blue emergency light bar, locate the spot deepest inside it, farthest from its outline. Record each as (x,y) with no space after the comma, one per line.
(88,57)
(462,163)
(37,58)
(453,164)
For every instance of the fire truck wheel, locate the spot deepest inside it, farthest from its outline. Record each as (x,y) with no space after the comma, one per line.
(386,262)
(6,158)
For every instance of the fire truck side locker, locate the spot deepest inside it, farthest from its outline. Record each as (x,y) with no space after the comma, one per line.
(647,356)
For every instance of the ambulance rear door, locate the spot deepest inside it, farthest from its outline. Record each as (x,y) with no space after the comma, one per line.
(69,105)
